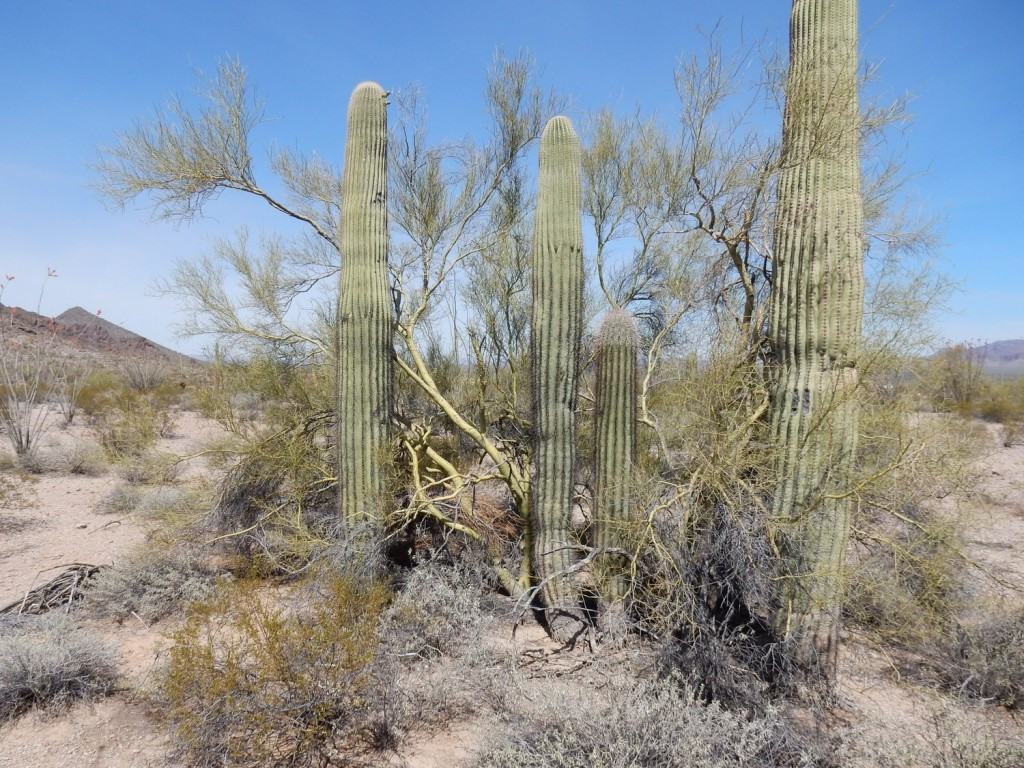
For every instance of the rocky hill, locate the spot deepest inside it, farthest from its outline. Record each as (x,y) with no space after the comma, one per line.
(1004,359)
(81,333)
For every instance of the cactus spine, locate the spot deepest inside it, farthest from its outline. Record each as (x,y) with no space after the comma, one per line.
(364,310)
(555,351)
(817,308)
(617,343)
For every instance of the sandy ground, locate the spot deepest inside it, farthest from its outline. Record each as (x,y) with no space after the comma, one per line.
(872,690)
(56,523)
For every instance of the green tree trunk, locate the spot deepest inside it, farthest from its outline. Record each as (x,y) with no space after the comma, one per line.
(815,326)
(364,312)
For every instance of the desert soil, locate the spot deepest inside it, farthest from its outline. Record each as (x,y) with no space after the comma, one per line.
(52,521)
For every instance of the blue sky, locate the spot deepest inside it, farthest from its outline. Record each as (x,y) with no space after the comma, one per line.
(74,74)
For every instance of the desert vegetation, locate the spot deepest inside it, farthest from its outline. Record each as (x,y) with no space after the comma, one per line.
(583,444)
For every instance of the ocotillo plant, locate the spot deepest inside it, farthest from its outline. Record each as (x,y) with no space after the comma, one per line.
(364,310)
(555,352)
(817,307)
(617,342)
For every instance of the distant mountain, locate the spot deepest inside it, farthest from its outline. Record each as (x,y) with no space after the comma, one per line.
(1004,359)
(81,331)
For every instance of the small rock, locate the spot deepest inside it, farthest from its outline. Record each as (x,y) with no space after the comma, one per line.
(83,525)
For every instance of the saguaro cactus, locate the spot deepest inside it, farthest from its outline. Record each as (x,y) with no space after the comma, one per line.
(555,351)
(617,343)
(364,310)
(817,308)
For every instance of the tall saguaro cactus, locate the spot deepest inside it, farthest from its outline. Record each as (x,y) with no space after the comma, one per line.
(555,351)
(617,343)
(817,309)
(364,310)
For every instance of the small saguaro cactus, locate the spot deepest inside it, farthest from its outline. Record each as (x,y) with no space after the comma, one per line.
(617,343)
(364,310)
(555,352)
(817,308)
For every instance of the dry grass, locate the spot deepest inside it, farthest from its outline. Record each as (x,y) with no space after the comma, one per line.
(986,661)
(47,661)
(630,723)
(80,458)
(151,585)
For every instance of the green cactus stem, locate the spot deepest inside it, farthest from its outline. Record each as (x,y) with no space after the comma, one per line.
(815,323)
(555,353)
(364,311)
(617,343)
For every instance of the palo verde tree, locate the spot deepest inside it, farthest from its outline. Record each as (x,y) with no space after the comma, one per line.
(816,316)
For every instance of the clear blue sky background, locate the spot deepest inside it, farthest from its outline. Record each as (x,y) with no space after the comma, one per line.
(72,74)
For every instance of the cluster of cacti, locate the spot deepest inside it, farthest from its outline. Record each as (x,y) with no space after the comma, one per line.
(615,441)
(364,321)
(817,307)
(557,326)
(815,327)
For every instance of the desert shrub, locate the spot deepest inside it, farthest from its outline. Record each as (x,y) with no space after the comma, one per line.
(120,501)
(128,425)
(275,507)
(957,379)
(276,503)
(437,612)
(150,468)
(951,741)
(14,494)
(705,562)
(151,585)
(904,584)
(356,552)
(476,681)
(967,750)
(1004,405)
(1012,434)
(127,420)
(962,745)
(80,458)
(47,660)
(97,391)
(33,463)
(641,724)
(1003,402)
(71,380)
(143,373)
(905,559)
(165,502)
(706,593)
(987,661)
(249,684)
